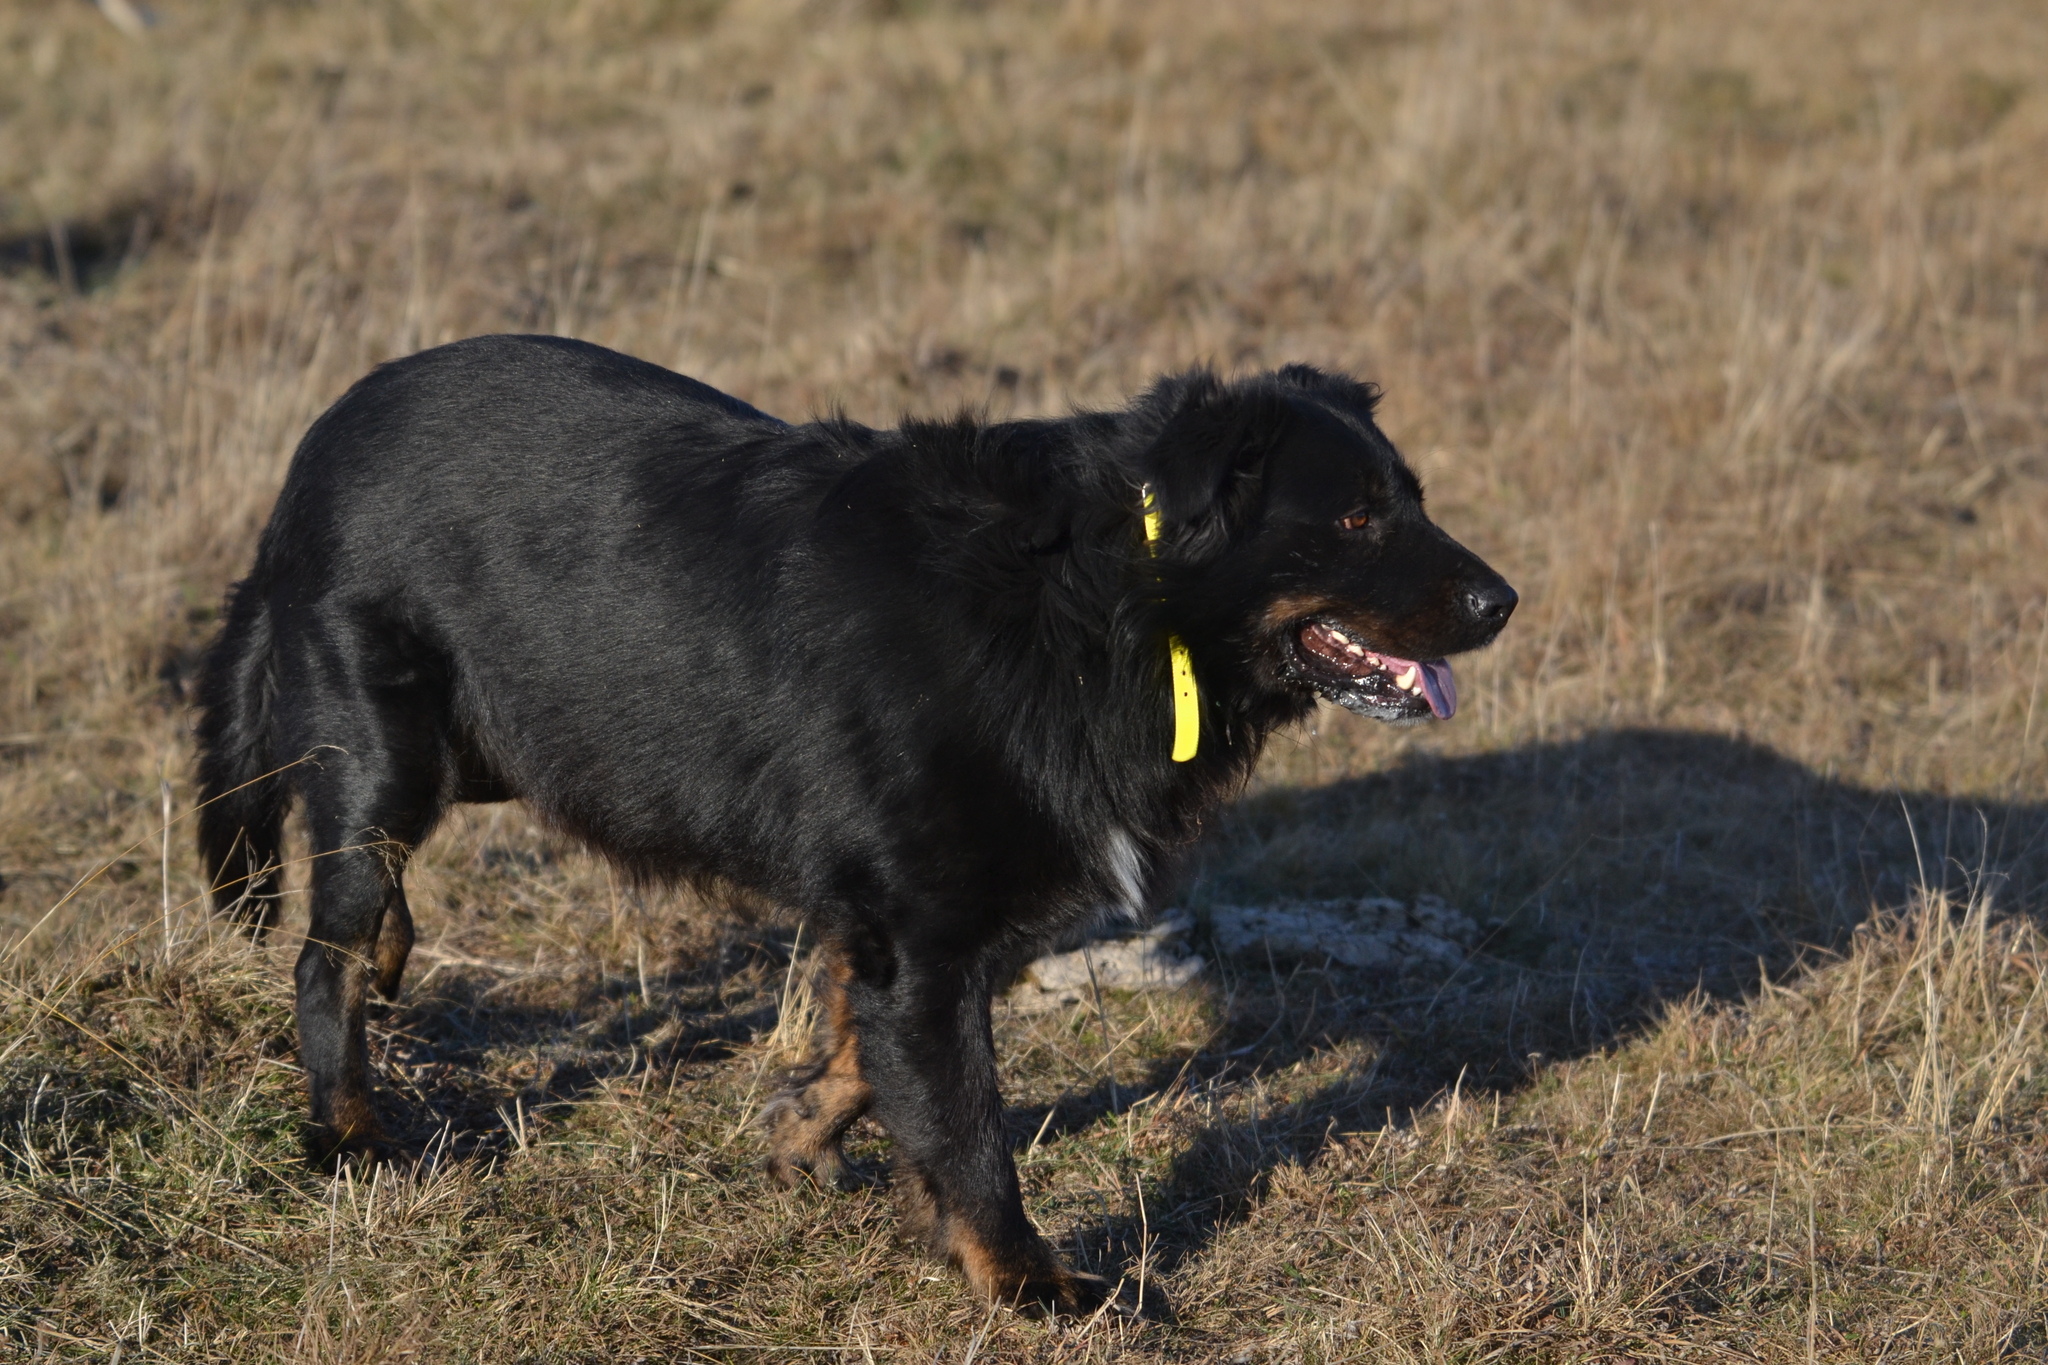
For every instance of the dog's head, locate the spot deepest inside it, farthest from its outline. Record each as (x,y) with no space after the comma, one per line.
(1294,546)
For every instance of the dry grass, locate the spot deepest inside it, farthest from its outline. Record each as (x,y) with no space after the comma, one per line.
(1715,327)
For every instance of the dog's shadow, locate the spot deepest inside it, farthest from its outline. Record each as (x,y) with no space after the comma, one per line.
(1610,875)
(467,1060)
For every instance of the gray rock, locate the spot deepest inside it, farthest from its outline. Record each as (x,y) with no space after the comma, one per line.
(1371,931)
(1155,958)
(1368,932)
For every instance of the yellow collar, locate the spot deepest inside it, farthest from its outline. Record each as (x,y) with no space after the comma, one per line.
(1187,702)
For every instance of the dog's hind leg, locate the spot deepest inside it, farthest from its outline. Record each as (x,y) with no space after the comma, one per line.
(373,796)
(821,1100)
(927,1048)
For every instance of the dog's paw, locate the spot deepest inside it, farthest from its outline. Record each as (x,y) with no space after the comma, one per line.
(1069,1293)
(825,1170)
(803,1143)
(1039,1285)
(329,1150)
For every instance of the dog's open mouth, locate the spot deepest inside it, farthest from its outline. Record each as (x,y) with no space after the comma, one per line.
(1356,676)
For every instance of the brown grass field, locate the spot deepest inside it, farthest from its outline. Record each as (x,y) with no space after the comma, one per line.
(1715,326)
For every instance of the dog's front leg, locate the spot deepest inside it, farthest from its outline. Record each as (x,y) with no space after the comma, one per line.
(927,1052)
(807,1121)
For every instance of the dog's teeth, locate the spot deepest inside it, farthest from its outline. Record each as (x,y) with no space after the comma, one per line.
(1407,680)
(1353,648)
(1373,659)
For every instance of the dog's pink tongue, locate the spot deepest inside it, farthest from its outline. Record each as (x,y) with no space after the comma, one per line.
(1435,677)
(1438,687)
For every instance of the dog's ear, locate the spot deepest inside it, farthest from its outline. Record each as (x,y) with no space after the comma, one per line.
(1342,388)
(1216,437)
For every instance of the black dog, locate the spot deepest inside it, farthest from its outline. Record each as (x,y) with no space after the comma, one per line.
(916,684)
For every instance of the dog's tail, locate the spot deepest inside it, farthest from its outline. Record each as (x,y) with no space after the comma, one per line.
(243,795)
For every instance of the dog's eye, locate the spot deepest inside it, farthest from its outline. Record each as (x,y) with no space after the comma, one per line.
(1356,521)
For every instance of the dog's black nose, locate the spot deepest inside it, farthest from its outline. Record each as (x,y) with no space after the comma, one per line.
(1492,603)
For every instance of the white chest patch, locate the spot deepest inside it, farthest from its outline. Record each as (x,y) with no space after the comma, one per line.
(1124,864)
